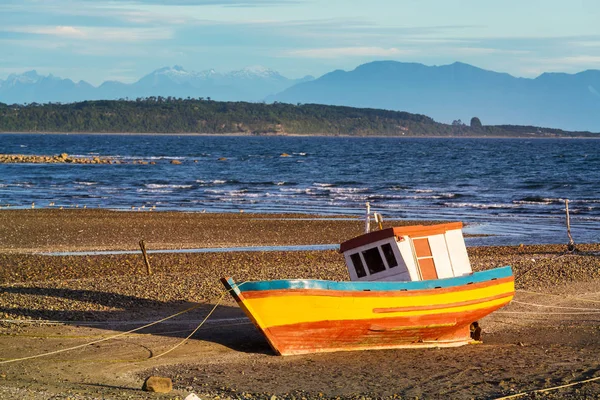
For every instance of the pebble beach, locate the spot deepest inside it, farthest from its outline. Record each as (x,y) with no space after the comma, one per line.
(117,287)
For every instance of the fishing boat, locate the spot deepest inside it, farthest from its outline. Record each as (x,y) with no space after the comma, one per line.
(409,287)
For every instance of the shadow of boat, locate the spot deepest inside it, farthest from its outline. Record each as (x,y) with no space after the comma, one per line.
(227,326)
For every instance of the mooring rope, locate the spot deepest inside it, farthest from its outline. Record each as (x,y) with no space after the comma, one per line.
(100,340)
(550,306)
(558,295)
(194,331)
(514,396)
(134,330)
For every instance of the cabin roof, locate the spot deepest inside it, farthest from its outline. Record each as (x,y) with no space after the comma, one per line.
(411,231)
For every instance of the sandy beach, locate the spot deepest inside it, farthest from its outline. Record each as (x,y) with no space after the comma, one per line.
(548,336)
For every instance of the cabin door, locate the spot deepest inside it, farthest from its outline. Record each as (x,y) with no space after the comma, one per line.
(425,259)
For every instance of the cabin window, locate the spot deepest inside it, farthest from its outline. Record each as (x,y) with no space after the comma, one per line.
(373,260)
(388,252)
(358,265)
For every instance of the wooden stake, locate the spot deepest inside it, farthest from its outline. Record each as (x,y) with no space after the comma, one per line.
(368,218)
(146,261)
(571,245)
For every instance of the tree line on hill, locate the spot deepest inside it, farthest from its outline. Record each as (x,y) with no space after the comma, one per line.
(176,115)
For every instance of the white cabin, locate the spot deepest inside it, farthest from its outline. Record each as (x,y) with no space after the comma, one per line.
(410,253)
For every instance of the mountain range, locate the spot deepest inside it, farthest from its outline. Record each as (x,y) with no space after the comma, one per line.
(446,93)
(248,84)
(461,91)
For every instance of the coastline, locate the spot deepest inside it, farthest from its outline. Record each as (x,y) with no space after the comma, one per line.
(49,303)
(241,134)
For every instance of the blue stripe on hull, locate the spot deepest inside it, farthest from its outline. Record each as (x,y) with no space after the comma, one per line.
(476,277)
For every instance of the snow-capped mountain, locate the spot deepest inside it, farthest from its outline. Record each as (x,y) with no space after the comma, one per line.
(31,87)
(248,84)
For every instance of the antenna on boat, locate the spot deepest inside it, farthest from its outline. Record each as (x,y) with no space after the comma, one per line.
(368,218)
(571,245)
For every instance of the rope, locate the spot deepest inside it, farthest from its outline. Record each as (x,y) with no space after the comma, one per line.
(545,313)
(201,323)
(512,396)
(557,295)
(539,265)
(194,331)
(134,330)
(99,340)
(568,308)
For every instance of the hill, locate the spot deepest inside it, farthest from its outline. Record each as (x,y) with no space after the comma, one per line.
(171,115)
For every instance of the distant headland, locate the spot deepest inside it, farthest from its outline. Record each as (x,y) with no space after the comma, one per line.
(205,116)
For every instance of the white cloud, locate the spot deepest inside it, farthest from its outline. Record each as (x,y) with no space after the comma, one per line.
(97,34)
(579,60)
(337,52)
(64,31)
(485,50)
(68,31)
(584,43)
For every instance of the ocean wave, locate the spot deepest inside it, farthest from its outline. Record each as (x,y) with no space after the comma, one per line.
(398,187)
(86,183)
(413,197)
(481,205)
(297,190)
(322,184)
(538,200)
(346,190)
(160,186)
(21,184)
(154,191)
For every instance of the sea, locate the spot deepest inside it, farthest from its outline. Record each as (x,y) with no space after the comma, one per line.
(507,191)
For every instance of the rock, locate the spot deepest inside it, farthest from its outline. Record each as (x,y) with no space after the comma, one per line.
(284,155)
(158,384)
(64,156)
(222,159)
(176,162)
(192,396)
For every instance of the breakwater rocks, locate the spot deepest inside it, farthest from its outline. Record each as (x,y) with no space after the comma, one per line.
(63,158)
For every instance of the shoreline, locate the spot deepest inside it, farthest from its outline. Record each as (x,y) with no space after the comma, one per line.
(241,134)
(49,303)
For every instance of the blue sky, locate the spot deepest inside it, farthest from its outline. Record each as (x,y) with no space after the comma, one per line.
(98,40)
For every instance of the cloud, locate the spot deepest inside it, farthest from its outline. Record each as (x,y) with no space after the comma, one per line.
(348,52)
(579,60)
(68,31)
(229,3)
(485,50)
(96,34)
(63,31)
